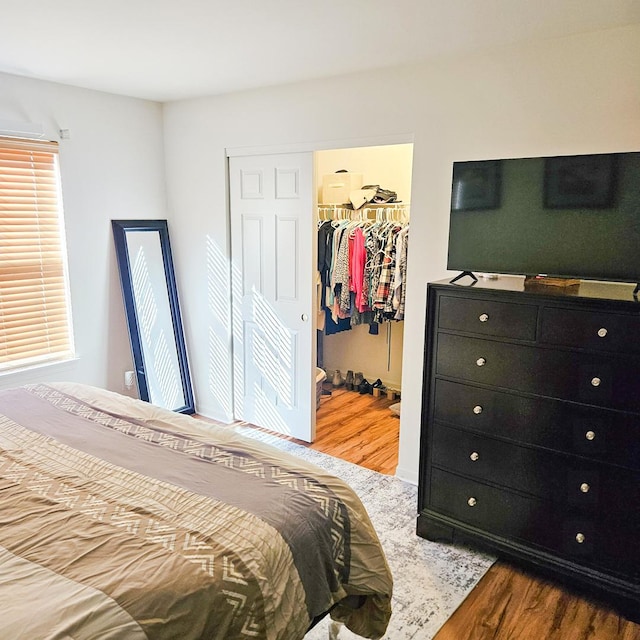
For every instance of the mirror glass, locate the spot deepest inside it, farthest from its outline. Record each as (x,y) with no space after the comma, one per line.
(153,314)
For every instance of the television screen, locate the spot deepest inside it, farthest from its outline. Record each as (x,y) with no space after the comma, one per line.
(563,216)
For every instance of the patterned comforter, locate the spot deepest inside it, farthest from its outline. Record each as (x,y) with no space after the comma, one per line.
(119,520)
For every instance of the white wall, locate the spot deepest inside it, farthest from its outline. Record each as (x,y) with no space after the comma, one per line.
(375,356)
(571,95)
(112,167)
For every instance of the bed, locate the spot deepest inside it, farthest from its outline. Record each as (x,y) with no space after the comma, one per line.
(120,520)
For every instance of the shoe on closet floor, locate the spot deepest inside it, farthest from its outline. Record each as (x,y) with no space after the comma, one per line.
(364,387)
(377,387)
(348,380)
(357,379)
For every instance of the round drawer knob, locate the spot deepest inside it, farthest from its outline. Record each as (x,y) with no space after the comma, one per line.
(584,487)
(477,409)
(483,317)
(590,435)
(602,332)
(472,502)
(481,362)
(595,382)
(580,538)
(474,456)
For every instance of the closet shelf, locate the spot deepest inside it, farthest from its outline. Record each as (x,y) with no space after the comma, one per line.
(370,205)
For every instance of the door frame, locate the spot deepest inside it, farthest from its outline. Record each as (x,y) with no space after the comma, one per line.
(321,145)
(300,147)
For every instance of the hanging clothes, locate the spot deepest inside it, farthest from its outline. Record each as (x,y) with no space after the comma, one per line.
(325,251)
(382,300)
(362,265)
(400,278)
(331,326)
(375,246)
(334,286)
(342,277)
(357,261)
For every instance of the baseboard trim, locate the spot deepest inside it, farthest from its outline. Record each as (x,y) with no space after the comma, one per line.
(407,475)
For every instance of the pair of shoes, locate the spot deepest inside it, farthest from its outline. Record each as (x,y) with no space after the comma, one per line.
(337,378)
(348,380)
(364,386)
(357,379)
(377,388)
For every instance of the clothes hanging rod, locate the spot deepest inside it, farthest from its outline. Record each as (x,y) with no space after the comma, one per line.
(392,211)
(368,205)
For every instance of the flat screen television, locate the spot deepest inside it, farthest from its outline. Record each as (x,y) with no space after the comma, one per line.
(562,216)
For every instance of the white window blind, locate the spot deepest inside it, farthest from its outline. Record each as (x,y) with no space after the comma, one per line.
(35,321)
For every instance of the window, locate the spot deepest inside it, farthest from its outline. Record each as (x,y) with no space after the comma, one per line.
(35,318)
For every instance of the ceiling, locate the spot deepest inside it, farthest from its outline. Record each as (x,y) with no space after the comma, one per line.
(172,49)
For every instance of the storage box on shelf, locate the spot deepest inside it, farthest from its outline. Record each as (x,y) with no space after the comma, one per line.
(336,187)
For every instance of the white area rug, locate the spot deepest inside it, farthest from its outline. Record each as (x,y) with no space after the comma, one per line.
(430,579)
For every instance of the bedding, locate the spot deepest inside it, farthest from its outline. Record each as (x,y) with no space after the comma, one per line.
(120,520)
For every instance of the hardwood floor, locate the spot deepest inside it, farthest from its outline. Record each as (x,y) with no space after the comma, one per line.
(358,428)
(508,603)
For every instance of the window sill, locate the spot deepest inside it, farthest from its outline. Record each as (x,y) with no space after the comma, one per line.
(40,372)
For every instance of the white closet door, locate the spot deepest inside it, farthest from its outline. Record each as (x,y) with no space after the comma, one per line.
(271,243)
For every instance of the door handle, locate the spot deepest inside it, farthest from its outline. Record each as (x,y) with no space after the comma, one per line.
(304,317)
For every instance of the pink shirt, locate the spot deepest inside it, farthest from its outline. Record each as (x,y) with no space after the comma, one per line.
(358,257)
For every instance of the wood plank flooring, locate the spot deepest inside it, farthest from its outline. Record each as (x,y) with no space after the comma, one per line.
(510,604)
(358,428)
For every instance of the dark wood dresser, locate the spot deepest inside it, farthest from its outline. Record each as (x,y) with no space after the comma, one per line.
(531,429)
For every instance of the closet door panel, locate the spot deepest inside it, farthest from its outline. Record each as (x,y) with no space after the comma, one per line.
(272,271)
(287,251)
(253,255)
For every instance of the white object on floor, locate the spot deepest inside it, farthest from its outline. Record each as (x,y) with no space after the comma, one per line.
(334,629)
(395,408)
(321,376)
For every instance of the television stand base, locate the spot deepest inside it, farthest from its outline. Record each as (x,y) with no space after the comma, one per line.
(462,275)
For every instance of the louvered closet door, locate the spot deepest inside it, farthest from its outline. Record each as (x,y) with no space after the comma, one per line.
(272,253)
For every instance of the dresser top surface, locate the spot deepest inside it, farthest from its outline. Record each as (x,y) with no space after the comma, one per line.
(586,289)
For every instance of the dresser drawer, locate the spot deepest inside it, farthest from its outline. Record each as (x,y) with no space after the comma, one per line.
(496,510)
(599,490)
(488,317)
(598,434)
(603,546)
(597,330)
(528,470)
(597,380)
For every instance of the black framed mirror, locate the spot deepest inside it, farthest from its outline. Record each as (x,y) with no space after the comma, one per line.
(151,304)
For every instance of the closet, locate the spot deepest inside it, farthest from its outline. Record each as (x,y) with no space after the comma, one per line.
(365,341)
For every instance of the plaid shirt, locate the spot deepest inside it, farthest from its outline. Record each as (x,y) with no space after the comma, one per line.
(383,293)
